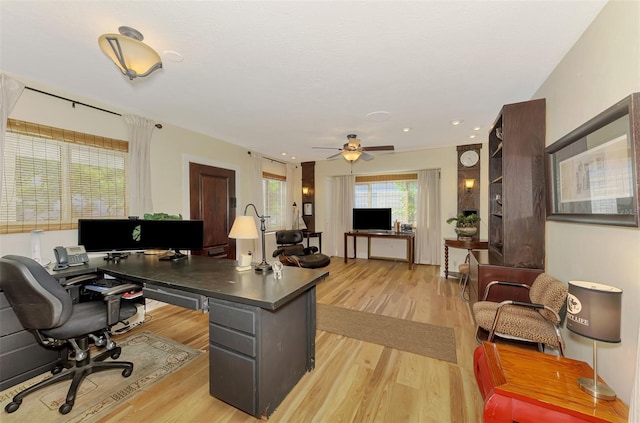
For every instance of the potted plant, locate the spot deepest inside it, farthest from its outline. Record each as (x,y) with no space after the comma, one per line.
(465,225)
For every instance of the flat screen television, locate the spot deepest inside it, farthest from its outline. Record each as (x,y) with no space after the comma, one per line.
(108,235)
(370,219)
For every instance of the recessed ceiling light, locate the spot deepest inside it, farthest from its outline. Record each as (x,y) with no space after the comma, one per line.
(284,154)
(472,136)
(293,157)
(477,128)
(456,122)
(406,129)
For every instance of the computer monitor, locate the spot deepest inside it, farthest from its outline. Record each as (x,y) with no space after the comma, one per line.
(111,235)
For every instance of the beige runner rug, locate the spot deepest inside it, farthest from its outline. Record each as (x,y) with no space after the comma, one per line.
(153,358)
(406,335)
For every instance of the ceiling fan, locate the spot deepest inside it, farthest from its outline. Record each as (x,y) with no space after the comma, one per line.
(352,150)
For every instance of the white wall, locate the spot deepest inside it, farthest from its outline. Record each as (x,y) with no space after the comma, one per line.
(602,68)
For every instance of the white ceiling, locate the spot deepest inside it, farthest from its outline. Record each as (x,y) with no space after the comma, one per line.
(284,76)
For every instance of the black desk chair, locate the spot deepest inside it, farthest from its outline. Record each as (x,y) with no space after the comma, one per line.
(291,252)
(44,307)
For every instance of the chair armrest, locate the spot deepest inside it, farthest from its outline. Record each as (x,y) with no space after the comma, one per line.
(502,283)
(78,279)
(521,304)
(277,252)
(310,250)
(112,297)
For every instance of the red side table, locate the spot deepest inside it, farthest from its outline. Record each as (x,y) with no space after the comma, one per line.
(523,386)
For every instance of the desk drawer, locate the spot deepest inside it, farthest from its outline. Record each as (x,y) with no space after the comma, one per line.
(9,322)
(237,341)
(21,357)
(174,296)
(235,316)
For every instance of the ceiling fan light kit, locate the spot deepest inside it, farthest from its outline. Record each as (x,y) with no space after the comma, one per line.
(352,150)
(133,57)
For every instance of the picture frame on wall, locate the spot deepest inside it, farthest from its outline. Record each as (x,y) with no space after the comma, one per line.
(307,209)
(592,172)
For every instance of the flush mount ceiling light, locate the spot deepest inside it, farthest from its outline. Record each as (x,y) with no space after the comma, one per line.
(133,57)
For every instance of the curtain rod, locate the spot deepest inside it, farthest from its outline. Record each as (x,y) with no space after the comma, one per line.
(74,102)
(269,158)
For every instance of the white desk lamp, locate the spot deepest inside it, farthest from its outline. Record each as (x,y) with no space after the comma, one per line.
(245,228)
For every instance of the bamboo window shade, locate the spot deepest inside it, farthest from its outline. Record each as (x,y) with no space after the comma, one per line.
(53,176)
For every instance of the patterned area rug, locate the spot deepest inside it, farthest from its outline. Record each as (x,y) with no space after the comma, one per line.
(406,335)
(153,358)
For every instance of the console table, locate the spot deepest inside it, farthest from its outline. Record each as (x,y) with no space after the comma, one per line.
(530,386)
(410,237)
(461,243)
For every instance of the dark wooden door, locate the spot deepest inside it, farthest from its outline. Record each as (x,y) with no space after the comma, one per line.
(212,199)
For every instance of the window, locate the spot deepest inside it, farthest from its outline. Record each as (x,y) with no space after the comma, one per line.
(396,191)
(274,189)
(52,177)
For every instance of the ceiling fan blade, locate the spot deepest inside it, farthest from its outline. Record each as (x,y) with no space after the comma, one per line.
(327,148)
(334,156)
(379,148)
(366,156)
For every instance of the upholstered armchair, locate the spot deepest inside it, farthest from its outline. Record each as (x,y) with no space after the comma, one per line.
(537,321)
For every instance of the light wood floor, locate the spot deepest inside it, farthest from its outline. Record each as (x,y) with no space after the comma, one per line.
(353,381)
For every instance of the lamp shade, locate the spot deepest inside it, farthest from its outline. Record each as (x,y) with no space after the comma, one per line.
(244,227)
(133,57)
(594,310)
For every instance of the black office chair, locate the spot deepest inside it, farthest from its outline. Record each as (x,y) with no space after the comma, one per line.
(292,253)
(44,307)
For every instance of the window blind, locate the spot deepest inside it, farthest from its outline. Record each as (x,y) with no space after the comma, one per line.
(53,177)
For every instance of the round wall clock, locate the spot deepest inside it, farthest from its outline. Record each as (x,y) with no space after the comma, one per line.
(469,158)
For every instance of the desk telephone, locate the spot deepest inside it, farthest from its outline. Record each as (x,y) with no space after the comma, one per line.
(70,256)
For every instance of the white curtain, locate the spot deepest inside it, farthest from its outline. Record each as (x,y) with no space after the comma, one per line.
(343,200)
(140,131)
(289,217)
(10,91)
(428,217)
(257,198)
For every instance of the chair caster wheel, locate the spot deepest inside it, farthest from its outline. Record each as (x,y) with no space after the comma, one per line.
(65,408)
(115,355)
(127,372)
(56,370)
(12,406)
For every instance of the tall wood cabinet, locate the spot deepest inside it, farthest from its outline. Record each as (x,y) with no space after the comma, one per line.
(517,186)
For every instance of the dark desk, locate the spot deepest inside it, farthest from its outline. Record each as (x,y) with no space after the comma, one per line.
(313,234)
(410,237)
(261,330)
(459,243)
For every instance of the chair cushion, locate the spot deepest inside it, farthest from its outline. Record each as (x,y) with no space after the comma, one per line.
(293,250)
(314,261)
(288,237)
(87,318)
(520,322)
(551,292)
